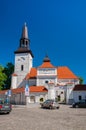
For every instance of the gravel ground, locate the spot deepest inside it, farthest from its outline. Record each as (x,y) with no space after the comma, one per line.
(35,118)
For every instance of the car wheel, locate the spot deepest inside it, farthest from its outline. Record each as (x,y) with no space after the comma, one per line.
(8,112)
(50,107)
(77,106)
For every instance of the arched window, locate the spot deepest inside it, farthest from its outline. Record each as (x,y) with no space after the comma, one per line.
(22,67)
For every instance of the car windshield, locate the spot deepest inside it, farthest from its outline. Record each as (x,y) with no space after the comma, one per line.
(3,101)
(50,100)
(83,101)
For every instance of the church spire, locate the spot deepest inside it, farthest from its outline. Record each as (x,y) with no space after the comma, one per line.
(24,46)
(25,31)
(24,41)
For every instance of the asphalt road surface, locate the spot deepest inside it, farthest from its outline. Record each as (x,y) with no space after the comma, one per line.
(35,118)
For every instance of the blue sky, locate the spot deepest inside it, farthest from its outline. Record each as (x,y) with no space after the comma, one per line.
(56,27)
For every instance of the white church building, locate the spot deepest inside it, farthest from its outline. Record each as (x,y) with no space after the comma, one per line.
(45,81)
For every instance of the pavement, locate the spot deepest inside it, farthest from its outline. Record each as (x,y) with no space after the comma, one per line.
(30,105)
(24,117)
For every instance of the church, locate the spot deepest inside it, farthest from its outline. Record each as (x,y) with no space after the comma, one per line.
(45,81)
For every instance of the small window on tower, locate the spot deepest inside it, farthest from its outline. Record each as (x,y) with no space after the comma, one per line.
(22,67)
(26,43)
(23,44)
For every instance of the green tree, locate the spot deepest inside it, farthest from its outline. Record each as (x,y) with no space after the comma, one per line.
(3,77)
(8,70)
(81,80)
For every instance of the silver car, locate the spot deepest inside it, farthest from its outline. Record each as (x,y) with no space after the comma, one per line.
(50,103)
(5,107)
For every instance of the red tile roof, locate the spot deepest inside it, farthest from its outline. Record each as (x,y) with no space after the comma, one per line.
(38,89)
(22,89)
(46,65)
(62,72)
(80,87)
(3,91)
(18,90)
(32,74)
(65,73)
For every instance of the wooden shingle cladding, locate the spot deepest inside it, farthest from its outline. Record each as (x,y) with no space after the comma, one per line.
(23,50)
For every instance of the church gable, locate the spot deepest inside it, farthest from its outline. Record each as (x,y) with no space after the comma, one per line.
(46,71)
(62,72)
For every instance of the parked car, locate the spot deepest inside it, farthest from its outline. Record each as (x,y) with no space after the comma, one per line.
(81,103)
(51,104)
(5,106)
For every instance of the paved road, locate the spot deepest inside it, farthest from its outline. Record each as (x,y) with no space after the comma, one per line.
(35,118)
